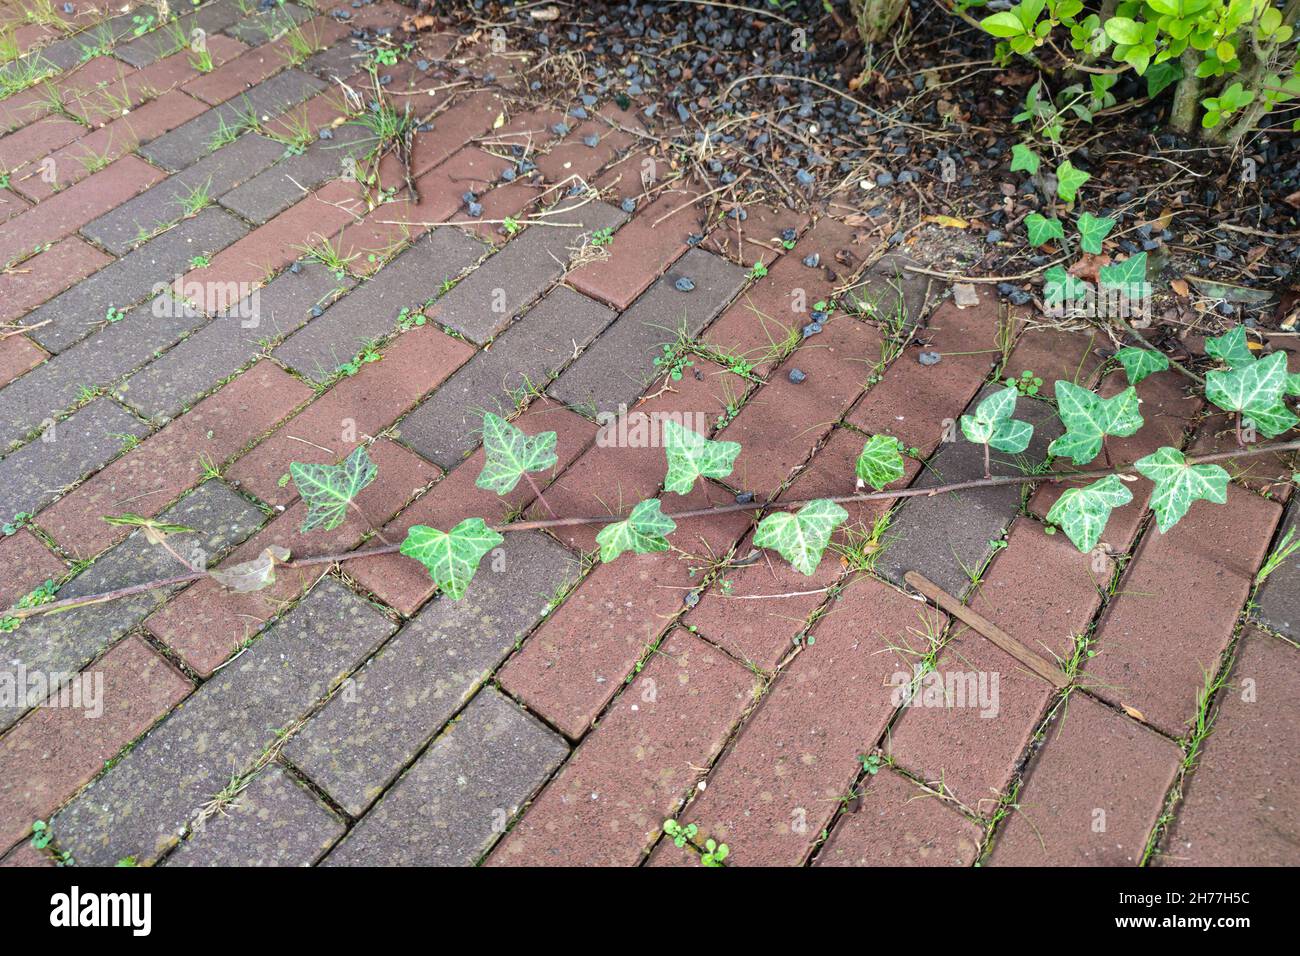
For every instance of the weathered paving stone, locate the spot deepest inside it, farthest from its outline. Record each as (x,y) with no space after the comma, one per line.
(171,382)
(779,783)
(1241,806)
(95,362)
(617,367)
(131,279)
(459,795)
(25,563)
(1279,597)
(189,143)
(632,772)
(263,25)
(63,643)
(32,477)
(57,749)
(890,293)
(406,693)
(214,175)
(1043,592)
(527,354)
(276,821)
(946,535)
(898,824)
(371,309)
(45,274)
(24,854)
(1092,794)
(140,807)
(275,190)
(1177,608)
(485,301)
(212,18)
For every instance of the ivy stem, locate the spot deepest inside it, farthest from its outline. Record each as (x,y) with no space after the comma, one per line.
(988,474)
(974,484)
(1105,450)
(1241,440)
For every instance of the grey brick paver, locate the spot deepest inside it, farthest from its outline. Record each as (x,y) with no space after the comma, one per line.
(141,805)
(485,300)
(216,174)
(370,310)
(188,143)
(1279,597)
(258,29)
(75,313)
(527,354)
(617,367)
(456,799)
(279,187)
(211,18)
(67,641)
(275,822)
(400,699)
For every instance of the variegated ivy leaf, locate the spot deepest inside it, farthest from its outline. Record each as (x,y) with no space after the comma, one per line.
(1092,232)
(1272,421)
(644,530)
(803,536)
(1042,230)
(1139,363)
(1082,513)
(451,557)
(881,461)
(1089,418)
(1059,286)
(1254,388)
(1129,276)
(510,453)
(1293,383)
(1178,484)
(329,489)
(1232,348)
(993,425)
(1022,157)
(691,456)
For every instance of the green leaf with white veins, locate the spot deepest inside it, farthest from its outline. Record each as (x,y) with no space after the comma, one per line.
(1271,422)
(1088,418)
(1178,484)
(451,557)
(993,425)
(691,456)
(329,489)
(1092,231)
(1231,348)
(1249,389)
(881,461)
(1042,230)
(801,537)
(511,453)
(1024,158)
(1139,363)
(1129,276)
(1293,383)
(644,530)
(1082,513)
(1068,181)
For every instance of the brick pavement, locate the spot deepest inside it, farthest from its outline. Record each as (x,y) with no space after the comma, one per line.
(564,708)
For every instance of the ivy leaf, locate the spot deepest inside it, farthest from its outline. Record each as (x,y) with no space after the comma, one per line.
(1139,362)
(881,461)
(1059,286)
(691,456)
(1293,383)
(1250,389)
(1042,230)
(1068,181)
(254,575)
(329,489)
(801,537)
(451,557)
(993,425)
(511,453)
(1089,418)
(1178,484)
(1024,158)
(1092,231)
(1129,276)
(1082,513)
(1273,421)
(644,530)
(1231,348)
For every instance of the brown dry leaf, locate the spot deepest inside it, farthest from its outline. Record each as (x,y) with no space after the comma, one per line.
(419,23)
(252,575)
(951,222)
(1179,286)
(1088,266)
(1133,712)
(1294,198)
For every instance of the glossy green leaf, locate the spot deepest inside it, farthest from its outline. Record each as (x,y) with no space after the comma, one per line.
(1232,348)
(1042,230)
(1092,231)
(329,489)
(451,557)
(1082,513)
(881,461)
(1139,362)
(1129,276)
(802,537)
(643,531)
(1256,387)
(1068,181)
(510,453)
(1088,418)
(691,456)
(1178,484)
(1024,158)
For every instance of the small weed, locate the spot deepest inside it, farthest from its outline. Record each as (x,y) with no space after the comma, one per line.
(758,270)
(673,362)
(114,314)
(603,237)
(1027,384)
(199,262)
(1285,548)
(871,763)
(19,521)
